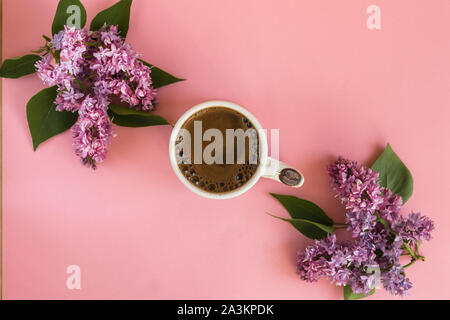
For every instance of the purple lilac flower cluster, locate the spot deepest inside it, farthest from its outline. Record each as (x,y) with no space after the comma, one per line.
(380,235)
(90,68)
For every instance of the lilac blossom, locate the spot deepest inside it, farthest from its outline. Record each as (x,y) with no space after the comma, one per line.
(356,186)
(51,73)
(69,99)
(395,281)
(342,262)
(389,209)
(380,235)
(58,39)
(92,131)
(416,228)
(360,222)
(119,71)
(89,69)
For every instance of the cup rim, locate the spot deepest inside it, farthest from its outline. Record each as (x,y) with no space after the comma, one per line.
(262,144)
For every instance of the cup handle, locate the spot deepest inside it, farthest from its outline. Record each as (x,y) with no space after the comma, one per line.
(283,173)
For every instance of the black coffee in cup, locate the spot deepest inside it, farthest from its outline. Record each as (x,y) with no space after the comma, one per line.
(218,149)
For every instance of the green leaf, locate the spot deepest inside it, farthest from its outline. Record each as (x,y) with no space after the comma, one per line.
(43,120)
(307,217)
(19,66)
(350,295)
(308,227)
(64,11)
(160,78)
(118,14)
(394,175)
(126,117)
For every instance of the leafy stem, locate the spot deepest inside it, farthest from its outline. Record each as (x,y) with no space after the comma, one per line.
(82,86)
(93,44)
(55,56)
(131,82)
(408,248)
(410,264)
(47,39)
(414,254)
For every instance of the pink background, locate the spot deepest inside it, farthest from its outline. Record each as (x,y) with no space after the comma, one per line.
(310,68)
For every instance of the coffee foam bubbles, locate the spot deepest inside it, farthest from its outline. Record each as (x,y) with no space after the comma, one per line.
(243,175)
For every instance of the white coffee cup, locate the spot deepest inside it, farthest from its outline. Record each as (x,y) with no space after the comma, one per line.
(268,167)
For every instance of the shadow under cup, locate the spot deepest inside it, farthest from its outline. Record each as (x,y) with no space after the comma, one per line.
(217,150)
